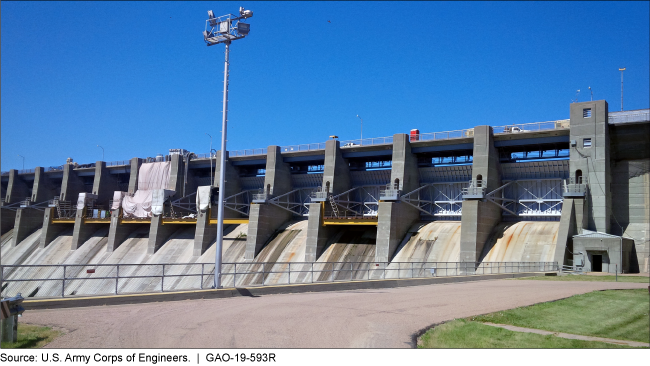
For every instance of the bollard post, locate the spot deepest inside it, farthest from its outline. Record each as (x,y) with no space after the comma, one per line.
(117,277)
(289,273)
(616,272)
(10,329)
(162,279)
(202,265)
(312,272)
(234,277)
(63,283)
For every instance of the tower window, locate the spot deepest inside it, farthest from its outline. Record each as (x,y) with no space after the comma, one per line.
(586,142)
(586,113)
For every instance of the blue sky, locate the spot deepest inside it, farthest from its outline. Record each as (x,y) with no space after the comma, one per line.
(137,78)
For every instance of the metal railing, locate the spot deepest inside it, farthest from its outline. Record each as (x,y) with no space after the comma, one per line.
(614,117)
(574,186)
(572,269)
(94,279)
(631,116)
(391,191)
(319,195)
(531,127)
(247,152)
(475,188)
(261,196)
(118,163)
(53,168)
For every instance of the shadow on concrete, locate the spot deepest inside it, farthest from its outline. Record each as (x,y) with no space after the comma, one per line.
(245,292)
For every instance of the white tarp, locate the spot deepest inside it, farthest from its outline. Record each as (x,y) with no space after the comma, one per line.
(158,197)
(152,176)
(203,198)
(85,198)
(118,196)
(138,205)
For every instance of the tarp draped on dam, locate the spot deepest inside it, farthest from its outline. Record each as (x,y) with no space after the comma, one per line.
(153,184)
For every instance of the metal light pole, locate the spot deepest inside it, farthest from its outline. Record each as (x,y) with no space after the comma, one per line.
(102,152)
(224,29)
(592,94)
(23,161)
(621,70)
(211,176)
(361,129)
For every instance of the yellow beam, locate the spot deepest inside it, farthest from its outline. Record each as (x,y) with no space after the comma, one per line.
(63,221)
(135,221)
(179,221)
(97,221)
(372,222)
(229,221)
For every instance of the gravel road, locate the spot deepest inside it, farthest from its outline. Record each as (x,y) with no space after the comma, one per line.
(385,318)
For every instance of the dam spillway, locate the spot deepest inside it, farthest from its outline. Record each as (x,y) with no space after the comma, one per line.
(487,194)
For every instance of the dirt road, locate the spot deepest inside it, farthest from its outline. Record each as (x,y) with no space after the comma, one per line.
(386,318)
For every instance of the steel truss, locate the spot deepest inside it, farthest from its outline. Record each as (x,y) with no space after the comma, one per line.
(529,197)
(295,201)
(185,204)
(437,199)
(362,201)
(64,209)
(27,203)
(12,207)
(240,202)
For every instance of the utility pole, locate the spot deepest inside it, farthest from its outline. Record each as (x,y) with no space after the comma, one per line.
(621,70)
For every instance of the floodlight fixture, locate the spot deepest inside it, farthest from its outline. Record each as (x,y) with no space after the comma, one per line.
(334,137)
(245,13)
(226,28)
(223,29)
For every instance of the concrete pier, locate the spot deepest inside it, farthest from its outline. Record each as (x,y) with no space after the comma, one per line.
(104,185)
(480,217)
(50,230)
(17,188)
(28,220)
(135,170)
(590,159)
(336,179)
(43,188)
(71,184)
(206,234)
(118,232)
(396,218)
(264,218)
(159,233)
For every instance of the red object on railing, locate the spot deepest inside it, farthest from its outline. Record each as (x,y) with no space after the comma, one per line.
(90,271)
(415,135)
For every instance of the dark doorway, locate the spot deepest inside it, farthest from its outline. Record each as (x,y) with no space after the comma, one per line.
(597,263)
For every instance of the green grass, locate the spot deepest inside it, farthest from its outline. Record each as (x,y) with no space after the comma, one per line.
(32,336)
(635,279)
(462,333)
(616,314)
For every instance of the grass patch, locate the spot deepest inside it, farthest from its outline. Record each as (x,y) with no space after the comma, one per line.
(634,279)
(616,314)
(32,336)
(462,333)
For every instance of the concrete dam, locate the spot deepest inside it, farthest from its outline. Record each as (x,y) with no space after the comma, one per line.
(573,192)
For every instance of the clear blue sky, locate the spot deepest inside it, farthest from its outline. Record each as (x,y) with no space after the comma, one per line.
(137,78)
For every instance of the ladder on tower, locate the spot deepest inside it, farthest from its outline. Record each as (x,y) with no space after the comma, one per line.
(334,206)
